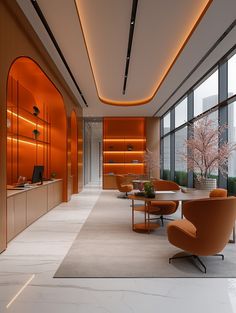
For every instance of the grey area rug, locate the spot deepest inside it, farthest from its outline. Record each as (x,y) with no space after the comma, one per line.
(106,247)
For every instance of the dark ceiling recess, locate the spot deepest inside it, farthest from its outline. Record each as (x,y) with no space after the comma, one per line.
(131,33)
(43,20)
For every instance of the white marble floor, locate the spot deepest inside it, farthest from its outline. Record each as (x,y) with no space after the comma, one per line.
(32,258)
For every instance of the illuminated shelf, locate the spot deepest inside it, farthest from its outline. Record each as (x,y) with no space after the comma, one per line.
(11,110)
(15,137)
(124,146)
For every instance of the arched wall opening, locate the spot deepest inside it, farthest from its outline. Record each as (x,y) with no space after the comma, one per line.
(36,124)
(74,152)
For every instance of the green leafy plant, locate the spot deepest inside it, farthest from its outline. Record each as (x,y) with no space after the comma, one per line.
(149,189)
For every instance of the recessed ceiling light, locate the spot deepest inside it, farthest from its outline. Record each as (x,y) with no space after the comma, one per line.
(132,22)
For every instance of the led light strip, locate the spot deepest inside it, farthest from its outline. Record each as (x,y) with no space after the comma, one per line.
(20,291)
(130,41)
(24,141)
(23,118)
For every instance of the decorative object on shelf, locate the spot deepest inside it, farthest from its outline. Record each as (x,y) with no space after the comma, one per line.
(36,133)
(111,161)
(36,110)
(130,147)
(21,181)
(111,147)
(150,161)
(149,190)
(206,152)
(135,161)
(53,175)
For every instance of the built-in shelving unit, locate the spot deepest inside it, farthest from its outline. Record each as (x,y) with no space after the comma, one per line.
(28,133)
(124,145)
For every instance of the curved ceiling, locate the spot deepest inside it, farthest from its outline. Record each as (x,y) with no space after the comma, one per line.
(159,36)
(155,23)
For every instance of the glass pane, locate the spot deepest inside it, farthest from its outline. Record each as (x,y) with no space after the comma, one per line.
(232,139)
(166,157)
(166,123)
(181,113)
(180,162)
(206,95)
(232,76)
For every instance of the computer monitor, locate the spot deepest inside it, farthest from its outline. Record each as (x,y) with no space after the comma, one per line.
(37,174)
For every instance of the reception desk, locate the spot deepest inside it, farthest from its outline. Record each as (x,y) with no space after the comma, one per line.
(26,205)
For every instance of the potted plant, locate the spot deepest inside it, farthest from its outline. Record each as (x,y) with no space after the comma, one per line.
(206,153)
(149,190)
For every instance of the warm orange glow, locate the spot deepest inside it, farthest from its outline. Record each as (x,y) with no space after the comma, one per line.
(122,152)
(182,43)
(23,118)
(24,141)
(125,140)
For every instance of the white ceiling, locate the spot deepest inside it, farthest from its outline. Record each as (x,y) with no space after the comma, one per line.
(160,29)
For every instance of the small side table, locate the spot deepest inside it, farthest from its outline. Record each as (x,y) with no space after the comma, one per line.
(146,226)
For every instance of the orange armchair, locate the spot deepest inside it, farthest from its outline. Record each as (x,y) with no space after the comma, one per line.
(164,207)
(206,229)
(218,192)
(123,185)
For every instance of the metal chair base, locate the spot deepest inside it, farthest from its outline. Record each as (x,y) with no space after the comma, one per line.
(195,257)
(162,218)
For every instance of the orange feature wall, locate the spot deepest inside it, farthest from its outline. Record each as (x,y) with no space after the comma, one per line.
(36,124)
(17,39)
(124,144)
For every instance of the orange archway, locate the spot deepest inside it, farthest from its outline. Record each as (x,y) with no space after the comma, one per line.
(74,152)
(36,124)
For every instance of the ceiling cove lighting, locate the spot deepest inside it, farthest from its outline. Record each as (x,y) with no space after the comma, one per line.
(169,66)
(46,26)
(130,40)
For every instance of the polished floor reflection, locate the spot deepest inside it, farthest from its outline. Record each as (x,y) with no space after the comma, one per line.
(28,265)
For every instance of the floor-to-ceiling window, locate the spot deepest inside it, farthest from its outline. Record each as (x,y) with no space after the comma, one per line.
(206,94)
(215,96)
(180,161)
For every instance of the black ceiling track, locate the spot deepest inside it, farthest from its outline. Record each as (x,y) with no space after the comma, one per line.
(43,20)
(212,48)
(131,33)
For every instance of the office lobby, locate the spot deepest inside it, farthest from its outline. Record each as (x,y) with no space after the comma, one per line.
(103,104)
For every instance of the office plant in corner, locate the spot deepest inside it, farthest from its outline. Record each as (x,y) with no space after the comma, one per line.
(206,153)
